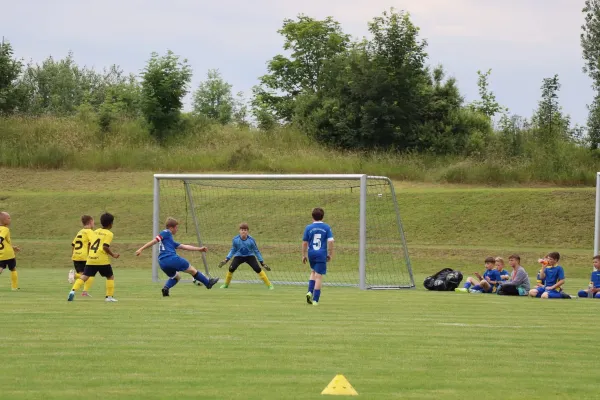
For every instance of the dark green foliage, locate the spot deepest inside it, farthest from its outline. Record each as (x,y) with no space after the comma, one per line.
(11,94)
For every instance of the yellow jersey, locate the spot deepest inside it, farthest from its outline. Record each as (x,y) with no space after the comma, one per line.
(6,250)
(97,255)
(81,244)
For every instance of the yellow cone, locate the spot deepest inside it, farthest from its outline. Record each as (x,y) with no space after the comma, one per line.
(340,386)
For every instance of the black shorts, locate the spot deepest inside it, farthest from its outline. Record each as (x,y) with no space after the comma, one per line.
(104,270)
(250,260)
(10,264)
(79,266)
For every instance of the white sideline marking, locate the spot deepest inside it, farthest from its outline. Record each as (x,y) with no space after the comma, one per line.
(488,325)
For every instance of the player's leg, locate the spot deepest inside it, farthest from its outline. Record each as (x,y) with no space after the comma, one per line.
(253,263)
(311,287)
(208,283)
(582,293)
(14,276)
(79,268)
(107,272)
(597,295)
(319,269)
(485,286)
(537,292)
(235,263)
(470,282)
(89,271)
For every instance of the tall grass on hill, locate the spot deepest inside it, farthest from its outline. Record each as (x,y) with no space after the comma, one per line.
(77,142)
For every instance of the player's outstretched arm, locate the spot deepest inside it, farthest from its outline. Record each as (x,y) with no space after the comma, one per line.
(192,248)
(144,247)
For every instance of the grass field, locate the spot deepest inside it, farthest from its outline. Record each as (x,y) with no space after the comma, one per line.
(250,343)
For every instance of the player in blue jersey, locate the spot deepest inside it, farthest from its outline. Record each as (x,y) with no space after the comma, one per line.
(594,288)
(483,284)
(553,276)
(317,249)
(245,250)
(504,274)
(170,263)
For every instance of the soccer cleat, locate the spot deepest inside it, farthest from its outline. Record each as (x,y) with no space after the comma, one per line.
(165,292)
(71,295)
(212,282)
(475,291)
(110,299)
(222,263)
(15,289)
(85,294)
(315,303)
(271,287)
(309,298)
(71,277)
(266,267)
(461,290)
(224,286)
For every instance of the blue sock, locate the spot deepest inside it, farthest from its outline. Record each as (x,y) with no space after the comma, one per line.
(311,286)
(317,295)
(467,285)
(582,293)
(201,278)
(170,283)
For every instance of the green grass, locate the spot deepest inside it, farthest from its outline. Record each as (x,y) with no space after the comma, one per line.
(250,343)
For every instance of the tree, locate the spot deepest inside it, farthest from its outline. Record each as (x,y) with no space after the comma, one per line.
(10,69)
(590,43)
(165,82)
(311,43)
(487,105)
(214,100)
(549,122)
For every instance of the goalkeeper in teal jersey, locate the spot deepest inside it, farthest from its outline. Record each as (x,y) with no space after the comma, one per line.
(245,250)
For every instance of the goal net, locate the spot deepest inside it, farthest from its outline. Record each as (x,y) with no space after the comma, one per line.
(363,212)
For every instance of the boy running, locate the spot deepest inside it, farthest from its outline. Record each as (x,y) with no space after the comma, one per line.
(80,247)
(317,249)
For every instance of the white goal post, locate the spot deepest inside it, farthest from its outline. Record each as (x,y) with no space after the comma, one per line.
(597,219)
(363,211)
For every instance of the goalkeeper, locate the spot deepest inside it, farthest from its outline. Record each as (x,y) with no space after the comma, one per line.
(245,250)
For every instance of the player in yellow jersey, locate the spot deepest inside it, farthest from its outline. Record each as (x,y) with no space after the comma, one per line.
(7,251)
(98,260)
(80,247)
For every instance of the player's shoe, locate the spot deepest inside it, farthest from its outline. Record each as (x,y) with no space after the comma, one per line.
(71,295)
(475,291)
(221,264)
(15,289)
(309,298)
(71,277)
(212,282)
(315,303)
(224,286)
(85,294)
(461,290)
(271,287)
(110,299)
(165,292)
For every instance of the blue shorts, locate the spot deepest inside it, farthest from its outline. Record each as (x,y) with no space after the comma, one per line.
(172,265)
(319,267)
(552,294)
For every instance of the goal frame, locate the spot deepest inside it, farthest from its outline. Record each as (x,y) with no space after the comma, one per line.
(597,217)
(361,178)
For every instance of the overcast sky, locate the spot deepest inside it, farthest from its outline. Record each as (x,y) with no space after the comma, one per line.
(522,41)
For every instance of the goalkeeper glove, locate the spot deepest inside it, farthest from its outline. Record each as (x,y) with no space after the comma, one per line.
(222,263)
(265,266)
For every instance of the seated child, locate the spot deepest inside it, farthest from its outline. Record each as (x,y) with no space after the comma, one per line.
(483,284)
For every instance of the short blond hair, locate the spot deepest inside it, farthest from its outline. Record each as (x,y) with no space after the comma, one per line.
(499,260)
(171,222)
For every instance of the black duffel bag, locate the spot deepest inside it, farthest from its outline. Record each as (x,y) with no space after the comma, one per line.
(445,280)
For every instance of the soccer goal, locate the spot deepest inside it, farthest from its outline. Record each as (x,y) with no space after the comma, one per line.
(362,210)
(597,219)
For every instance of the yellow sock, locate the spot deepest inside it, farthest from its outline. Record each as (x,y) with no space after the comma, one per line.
(78,284)
(77,275)
(88,284)
(263,276)
(110,287)
(228,278)
(14,279)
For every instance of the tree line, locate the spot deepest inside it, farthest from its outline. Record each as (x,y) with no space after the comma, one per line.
(370,94)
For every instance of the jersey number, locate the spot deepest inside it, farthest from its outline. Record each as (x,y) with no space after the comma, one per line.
(78,243)
(1,243)
(317,241)
(95,246)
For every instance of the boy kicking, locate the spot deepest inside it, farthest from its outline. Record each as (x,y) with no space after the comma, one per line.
(483,284)
(80,247)
(317,249)
(98,261)
(245,250)
(170,263)
(553,276)
(7,251)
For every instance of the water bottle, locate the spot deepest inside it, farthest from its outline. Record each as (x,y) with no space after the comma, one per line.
(590,294)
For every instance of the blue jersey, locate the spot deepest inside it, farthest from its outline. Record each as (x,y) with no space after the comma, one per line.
(317,234)
(595,279)
(244,248)
(504,273)
(493,274)
(554,274)
(166,245)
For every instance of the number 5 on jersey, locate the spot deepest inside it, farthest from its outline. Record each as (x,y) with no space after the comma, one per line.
(317,241)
